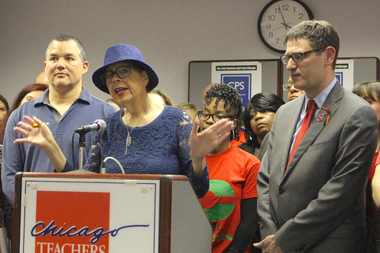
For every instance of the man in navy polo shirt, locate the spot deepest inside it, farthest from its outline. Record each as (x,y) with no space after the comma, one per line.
(65,106)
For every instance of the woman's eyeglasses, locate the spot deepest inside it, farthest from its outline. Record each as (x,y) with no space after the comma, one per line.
(216,117)
(121,72)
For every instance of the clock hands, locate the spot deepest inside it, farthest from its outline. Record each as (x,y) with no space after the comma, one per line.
(277,27)
(277,18)
(286,26)
(283,19)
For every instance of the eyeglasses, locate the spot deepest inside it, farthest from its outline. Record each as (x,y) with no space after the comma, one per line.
(121,72)
(287,86)
(298,57)
(216,117)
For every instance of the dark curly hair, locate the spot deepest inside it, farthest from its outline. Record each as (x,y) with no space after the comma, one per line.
(262,102)
(232,100)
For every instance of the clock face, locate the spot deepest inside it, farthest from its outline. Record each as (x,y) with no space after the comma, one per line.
(277,18)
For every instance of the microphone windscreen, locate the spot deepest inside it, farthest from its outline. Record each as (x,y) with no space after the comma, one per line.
(102,125)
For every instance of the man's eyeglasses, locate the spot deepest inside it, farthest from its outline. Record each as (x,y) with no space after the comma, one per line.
(298,57)
(287,86)
(216,117)
(121,72)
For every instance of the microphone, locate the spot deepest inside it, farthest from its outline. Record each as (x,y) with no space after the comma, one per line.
(99,125)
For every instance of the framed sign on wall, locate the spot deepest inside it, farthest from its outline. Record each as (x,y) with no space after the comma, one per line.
(247,76)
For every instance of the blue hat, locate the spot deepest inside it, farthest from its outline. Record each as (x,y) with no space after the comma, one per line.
(120,53)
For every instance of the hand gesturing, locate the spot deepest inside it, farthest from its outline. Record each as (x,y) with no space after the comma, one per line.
(205,142)
(36,132)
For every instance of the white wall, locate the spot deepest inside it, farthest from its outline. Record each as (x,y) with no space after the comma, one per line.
(169,33)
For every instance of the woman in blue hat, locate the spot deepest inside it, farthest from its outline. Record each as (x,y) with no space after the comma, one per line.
(144,136)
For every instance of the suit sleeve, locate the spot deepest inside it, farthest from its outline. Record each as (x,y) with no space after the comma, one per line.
(267,225)
(263,147)
(335,201)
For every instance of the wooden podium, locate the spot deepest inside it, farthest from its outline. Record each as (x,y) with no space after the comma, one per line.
(91,213)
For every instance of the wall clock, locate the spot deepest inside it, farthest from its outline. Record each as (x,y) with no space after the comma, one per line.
(276,19)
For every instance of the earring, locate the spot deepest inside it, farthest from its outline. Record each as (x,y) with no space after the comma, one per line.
(232,134)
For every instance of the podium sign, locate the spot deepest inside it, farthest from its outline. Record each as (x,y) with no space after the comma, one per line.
(89,215)
(102,213)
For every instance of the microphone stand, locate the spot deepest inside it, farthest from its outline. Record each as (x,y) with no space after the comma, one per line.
(99,125)
(82,145)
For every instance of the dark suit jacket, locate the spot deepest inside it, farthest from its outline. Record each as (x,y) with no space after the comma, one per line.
(263,147)
(317,204)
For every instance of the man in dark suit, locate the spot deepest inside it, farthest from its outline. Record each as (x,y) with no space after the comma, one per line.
(312,199)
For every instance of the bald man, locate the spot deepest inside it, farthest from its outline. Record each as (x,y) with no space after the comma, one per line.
(205,91)
(293,92)
(42,78)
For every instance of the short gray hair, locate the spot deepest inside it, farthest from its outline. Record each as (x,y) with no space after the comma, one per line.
(320,34)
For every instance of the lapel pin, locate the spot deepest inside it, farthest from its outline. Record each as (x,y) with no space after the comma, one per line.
(324,116)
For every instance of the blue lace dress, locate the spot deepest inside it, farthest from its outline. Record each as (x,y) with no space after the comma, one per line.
(161,147)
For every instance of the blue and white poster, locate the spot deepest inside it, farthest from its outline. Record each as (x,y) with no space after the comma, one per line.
(344,72)
(246,77)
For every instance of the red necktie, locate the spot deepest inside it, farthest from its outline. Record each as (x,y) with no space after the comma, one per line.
(305,125)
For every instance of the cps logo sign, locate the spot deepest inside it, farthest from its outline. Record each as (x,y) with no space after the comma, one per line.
(237,85)
(339,76)
(241,82)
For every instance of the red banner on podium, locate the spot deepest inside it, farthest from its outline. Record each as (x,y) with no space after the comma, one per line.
(75,229)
